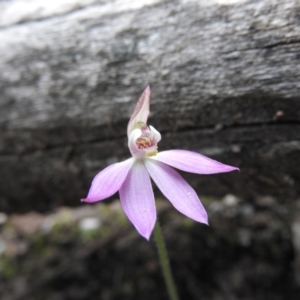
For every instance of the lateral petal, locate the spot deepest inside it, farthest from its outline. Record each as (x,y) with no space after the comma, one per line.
(108,181)
(192,162)
(177,190)
(137,199)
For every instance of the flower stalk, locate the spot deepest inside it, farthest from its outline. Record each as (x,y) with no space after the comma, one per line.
(165,264)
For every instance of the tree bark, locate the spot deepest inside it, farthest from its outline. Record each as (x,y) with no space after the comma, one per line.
(225,82)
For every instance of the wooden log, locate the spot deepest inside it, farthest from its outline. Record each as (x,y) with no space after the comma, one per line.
(225,82)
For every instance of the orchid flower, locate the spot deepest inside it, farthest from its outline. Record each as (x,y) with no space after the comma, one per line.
(131,177)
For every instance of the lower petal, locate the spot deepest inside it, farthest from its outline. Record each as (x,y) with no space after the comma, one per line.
(137,199)
(108,181)
(177,190)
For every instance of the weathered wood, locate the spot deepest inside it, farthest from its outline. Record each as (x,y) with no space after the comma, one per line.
(225,82)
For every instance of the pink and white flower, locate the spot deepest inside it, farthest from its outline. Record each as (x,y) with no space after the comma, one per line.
(131,177)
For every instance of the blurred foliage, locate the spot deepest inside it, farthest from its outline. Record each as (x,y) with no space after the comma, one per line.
(246,253)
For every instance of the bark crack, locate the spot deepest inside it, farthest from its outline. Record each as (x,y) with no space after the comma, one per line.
(257,125)
(274,45)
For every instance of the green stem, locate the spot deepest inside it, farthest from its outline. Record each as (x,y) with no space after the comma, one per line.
(164,261)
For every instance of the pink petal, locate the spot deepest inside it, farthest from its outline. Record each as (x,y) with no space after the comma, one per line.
(177,190)
(108,181)
(137,199)
(192,162)
(141,111)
